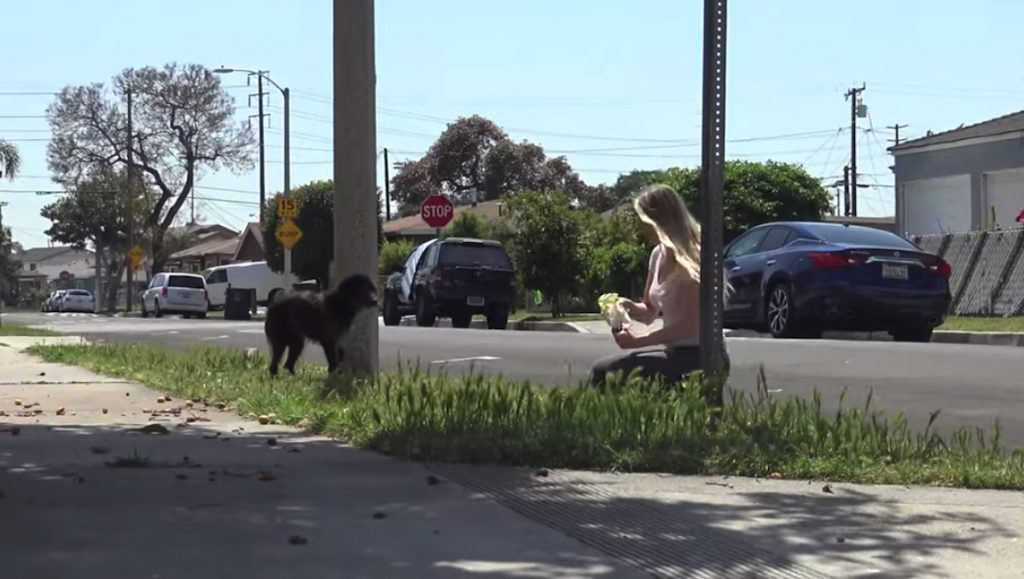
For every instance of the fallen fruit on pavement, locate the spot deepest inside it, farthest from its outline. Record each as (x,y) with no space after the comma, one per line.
(161,400)
(264,419)
(297,540)
(188,404)
(17,402)
(61,411)
(105,411)
(541,472)
(827,489)
(271,442)
(775,475)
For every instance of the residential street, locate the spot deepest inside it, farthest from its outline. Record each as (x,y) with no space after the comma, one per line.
(972,385)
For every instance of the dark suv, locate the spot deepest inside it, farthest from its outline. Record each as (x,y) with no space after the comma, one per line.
(456,278)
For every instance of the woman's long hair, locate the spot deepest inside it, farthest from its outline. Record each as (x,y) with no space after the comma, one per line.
(663,209)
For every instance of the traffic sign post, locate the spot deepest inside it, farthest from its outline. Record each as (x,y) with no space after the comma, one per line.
(289,234)
(136,254)
(288,209)
(437,212)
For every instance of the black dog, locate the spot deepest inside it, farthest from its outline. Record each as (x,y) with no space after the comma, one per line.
(321,317)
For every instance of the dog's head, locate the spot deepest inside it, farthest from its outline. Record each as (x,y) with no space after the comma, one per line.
(358,290)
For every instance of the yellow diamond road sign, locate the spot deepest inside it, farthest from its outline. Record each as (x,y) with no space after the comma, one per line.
(136,254)
(289,234)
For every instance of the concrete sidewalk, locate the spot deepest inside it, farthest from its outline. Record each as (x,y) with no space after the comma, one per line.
(219,496)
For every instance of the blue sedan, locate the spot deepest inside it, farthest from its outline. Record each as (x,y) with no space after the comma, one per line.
(798,279)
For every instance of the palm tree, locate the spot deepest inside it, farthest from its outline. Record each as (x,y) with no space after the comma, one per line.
(10,159)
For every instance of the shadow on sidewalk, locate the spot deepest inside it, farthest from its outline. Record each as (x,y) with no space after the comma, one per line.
(200,504)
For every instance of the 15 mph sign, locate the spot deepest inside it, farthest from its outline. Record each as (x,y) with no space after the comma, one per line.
(437,211)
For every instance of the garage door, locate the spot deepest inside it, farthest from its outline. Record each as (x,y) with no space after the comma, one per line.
(1004,191)
(937,205)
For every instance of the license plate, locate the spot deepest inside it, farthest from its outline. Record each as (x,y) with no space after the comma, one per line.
(892,271)
(475,301)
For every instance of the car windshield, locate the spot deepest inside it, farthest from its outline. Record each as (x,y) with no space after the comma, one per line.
(474,253)
(189,281)
(79,293)
(858,236)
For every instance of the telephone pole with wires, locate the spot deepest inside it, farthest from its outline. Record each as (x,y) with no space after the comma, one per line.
(857,109)
(896,128)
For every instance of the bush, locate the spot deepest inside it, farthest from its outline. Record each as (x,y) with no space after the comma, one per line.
(469,225)
(393,254)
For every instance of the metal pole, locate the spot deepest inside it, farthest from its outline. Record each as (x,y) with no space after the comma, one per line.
(287,173)
(263,177)
(387,186)
(712,192)
(129,206)
(355,168)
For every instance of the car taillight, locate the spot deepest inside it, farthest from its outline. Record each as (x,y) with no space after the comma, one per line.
(437,277)
(834,259)
(163,291)
(941,267)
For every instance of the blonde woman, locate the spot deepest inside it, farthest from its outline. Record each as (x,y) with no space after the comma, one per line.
(672,292)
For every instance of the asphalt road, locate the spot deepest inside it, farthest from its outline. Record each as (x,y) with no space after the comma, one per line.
(972,385)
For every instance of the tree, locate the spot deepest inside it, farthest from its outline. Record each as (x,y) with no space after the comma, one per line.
(469,225)
(312,255)
(95,213)
(474,156)
(547,243)
(10,265)
(183,126)
(757,193)
(627,185)
(10,160)
(393,255)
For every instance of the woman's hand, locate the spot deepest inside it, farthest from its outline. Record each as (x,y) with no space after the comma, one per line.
(626,339)
(632,308)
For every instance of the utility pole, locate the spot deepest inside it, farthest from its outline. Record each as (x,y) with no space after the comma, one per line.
(896,127)
(355,168)
(856,109)
(3,295)
(387,186)
(263,177)
(130,190)
(287,171)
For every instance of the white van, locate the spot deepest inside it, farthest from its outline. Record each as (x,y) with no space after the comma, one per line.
(247,275)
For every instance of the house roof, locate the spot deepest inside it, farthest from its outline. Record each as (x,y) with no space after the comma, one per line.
(251,230)
(1006,124)
(42,253)
(215,246)
(413,224)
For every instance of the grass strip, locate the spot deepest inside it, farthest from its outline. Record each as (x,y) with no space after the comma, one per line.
(983,324)
(13,330)
(632,426)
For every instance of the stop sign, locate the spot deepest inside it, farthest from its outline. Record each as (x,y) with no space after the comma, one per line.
(437,211)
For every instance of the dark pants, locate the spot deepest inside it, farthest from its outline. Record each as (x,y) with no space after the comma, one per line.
(672,364)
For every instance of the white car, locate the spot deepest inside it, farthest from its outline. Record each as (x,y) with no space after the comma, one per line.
(175,293)
(77,300)
(255,275)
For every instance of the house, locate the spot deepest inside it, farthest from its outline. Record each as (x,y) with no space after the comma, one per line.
(884,223)
(416,230)
(62,266)
(964,179)
(217,245)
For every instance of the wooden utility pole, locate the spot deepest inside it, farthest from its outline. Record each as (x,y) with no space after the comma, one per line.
(355,168)
(853,95)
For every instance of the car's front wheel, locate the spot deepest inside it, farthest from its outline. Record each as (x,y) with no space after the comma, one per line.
(425,315)
(392,317)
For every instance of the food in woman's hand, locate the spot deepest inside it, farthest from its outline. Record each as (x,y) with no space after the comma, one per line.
(612,311)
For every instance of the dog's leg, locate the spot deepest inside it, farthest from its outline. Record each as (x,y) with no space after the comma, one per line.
(277,348)
(294,353)
(331,353)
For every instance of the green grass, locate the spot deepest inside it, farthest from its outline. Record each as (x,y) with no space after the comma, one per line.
(522,315)
(980,324)
(12,330)
(628,427)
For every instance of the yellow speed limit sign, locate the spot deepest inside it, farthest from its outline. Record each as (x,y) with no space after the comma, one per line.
(287,208)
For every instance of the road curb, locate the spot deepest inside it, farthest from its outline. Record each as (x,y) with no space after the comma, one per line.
(1012,339)
(516,325)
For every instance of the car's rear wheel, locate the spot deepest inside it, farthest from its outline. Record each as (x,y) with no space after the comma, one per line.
(392,317)
(425,315)
(781,315)
(912,334)
(461,319)
(497,318)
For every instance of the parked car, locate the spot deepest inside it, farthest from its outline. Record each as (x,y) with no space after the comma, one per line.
(798,279)
(175,293)
(256,275)
(77,300)
(456,278)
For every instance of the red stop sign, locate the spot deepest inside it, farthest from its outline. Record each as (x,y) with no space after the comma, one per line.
(437,211)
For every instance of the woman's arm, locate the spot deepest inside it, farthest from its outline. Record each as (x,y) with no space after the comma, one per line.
(643,312)
(686,325)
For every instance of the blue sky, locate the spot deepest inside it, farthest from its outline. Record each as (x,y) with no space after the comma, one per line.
(572,75)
